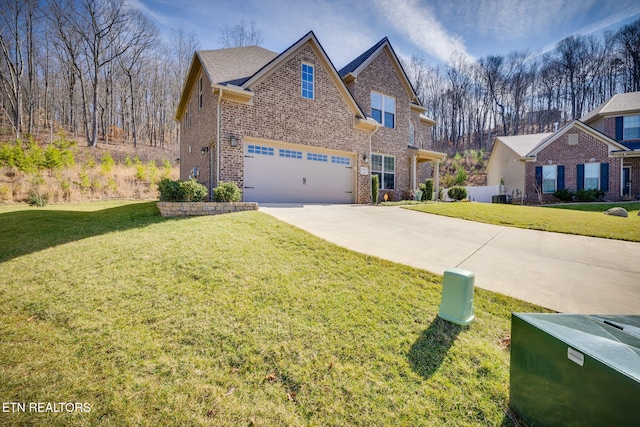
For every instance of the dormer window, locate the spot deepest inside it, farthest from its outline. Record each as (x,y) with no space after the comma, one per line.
(308,81)
(383,109)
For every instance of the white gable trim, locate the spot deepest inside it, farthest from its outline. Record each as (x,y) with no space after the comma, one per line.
(613,144)
(311,40)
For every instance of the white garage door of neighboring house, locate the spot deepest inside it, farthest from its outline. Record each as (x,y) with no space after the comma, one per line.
(276,173)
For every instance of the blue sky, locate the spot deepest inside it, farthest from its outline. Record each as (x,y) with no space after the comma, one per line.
(433,29)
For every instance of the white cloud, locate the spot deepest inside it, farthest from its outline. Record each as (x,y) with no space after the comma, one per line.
(417,23)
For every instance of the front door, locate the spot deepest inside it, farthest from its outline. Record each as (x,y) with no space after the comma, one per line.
(626,181)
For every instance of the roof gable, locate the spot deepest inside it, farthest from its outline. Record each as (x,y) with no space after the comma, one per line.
(351,70)
(522,144)
(620,104)
(308,40)
(581,126)
(223,66)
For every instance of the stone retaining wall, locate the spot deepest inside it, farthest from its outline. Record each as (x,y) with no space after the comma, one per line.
(204,208)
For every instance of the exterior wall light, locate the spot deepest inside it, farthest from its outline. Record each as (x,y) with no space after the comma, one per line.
(233,140)
(204,150)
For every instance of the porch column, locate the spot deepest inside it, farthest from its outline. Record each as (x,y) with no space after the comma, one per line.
(436,178)
(414,178)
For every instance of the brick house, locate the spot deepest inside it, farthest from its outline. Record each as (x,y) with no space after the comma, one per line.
(600,151)
(289,127)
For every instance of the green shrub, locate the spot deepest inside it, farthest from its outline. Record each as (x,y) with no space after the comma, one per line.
(375,188)
(169,190)
(427,193)
(227,192)
(193,191)
(181,191)
(37,199)
(461,176)
(564,194)
(457,193)
(141,172)
(589,195)
(83,180)
(106,162)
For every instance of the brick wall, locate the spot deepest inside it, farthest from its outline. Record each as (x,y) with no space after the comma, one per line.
(588,150)
(200,133)
(381,76)
(280,113)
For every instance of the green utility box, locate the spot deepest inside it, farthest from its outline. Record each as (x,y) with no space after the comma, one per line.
(575,370)
(457,296)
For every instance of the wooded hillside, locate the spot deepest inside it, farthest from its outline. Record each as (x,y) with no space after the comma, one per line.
(99,70)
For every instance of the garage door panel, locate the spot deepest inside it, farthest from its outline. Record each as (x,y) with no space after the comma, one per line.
(290,175)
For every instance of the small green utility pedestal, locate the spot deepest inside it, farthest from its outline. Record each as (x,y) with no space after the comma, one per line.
(457,296)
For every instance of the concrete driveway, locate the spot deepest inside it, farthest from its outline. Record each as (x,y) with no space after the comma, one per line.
(570,274)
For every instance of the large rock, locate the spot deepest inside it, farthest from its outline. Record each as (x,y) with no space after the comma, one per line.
(621,212)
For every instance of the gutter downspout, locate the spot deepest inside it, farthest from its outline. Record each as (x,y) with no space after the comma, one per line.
(218,139)
(370,172)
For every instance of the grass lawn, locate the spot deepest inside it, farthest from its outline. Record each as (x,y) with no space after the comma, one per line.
(231,320)
(583,219)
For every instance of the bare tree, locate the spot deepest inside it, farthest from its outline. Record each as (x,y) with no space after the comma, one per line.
(628,41)
(12,39)
(132,62)
(240,35)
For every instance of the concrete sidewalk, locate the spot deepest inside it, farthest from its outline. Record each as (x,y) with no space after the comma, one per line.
(571,274)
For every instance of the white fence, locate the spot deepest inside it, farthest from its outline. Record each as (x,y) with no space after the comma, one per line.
(481,194)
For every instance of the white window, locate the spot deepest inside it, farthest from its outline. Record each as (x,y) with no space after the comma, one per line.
(187,116)
(308,81)
(412,135)
(592,176)
(631,128)
(385,168)
(549,178)
(383,110)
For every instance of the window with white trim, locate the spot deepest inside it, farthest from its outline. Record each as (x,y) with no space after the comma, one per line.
(412,135)
(631,127)
(383,110)
(592,176)
(308,81)
(385,168)
(549,178)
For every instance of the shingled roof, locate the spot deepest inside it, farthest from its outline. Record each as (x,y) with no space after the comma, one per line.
(622,103)
(234,65)
(351,66)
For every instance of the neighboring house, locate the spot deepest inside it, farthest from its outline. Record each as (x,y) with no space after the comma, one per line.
(601,151)
(288,128)
(505,166)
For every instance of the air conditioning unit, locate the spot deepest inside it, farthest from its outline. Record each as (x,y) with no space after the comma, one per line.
(575,370)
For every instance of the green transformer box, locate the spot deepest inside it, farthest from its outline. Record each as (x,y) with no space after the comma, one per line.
(575,369)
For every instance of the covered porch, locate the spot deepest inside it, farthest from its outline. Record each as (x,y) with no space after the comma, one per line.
(419,156)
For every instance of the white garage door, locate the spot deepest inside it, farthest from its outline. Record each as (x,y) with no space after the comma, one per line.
(296,174)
